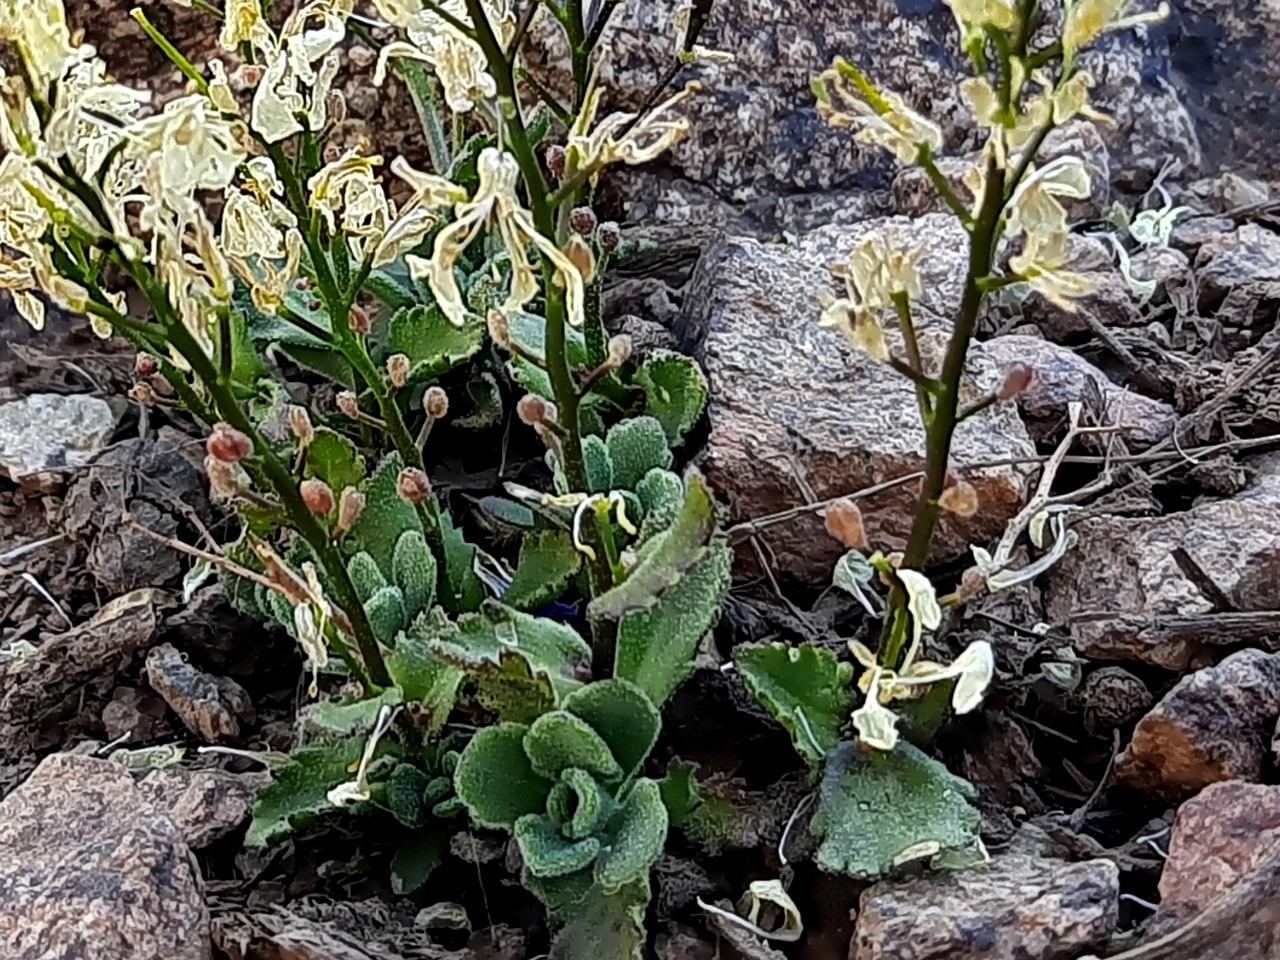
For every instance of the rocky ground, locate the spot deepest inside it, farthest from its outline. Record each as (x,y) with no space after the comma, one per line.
(1127,761)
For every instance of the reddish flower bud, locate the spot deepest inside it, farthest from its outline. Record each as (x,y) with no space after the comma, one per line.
(960,498)
(360,320)
(348,404)
(228,444)
(843,520)
(580,256)
(499,329)
(300,424)
(610,235)
(436,403)
(350,506)
(413,485)
(1016,379)
(557,160)
(398,369)
(583,221)
(313,305)
(533,410)
(145,365)
(317,496)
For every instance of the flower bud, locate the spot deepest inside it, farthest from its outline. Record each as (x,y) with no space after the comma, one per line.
(313,304)
(222,479)
(360,320)
(583,221)
(619,350)
(350,506)
(317,496)
(252,74)
(960,498)
(228,444)
(499,329)
(145,365)
(436,403)
(533,410)
(580,256)
(348,404)
(843,521)
(413,485)
(142,393)
(610,235)
(398,369)
(557,160)
(300,424)
(1016,379)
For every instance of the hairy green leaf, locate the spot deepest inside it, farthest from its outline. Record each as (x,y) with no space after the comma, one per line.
(351,718)
(637,837)
(661,495)
(805,688)
(365,576)
(603,925)
(598,464)
(586,805)
(675,390)
(512,689)
(406,789)
(333,458)
(459,564)
(622,715)
(636,446)
(413,568)
(385,516)
(559,740)
(548,562)
(496,779)
(428,682)
(299,790)
(432,344)
(680,793)
(385,610)
(547,852)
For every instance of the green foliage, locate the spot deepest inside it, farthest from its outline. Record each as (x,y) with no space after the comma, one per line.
(365,576)
(385,516)
(805,688)
(298,794)
(680,793)
(496,779)
(432,344)
(428,682)
(599,465)
(413,569)
(635,447)
(459,564)
(559,740)
(548,562)
(418,855)
(661,493)
(406,794)
(625,718)
(333,458)
(333,719)
(385,610)
(603,924)
(879,809)
(675,390)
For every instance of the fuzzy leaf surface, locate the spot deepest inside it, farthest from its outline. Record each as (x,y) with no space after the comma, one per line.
(675,390)
(496,779)
(548,562)
(299,790)
(805,688)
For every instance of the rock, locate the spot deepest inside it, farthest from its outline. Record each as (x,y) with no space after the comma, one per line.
(1018,908)
(210,707)
(1189,235)
(1169,268)
(1215,724)
(1239,266)
(138,715)
(1123,595)
(794,407)
(92,869)
(1220,836)
(1112,697)
(205,805)
(43,434)
(1063,377)
(1227,193)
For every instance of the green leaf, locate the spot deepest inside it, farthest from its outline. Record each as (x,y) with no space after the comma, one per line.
(559,893)
(432,344)
(603,925)
(385,516)
(656,646)
(365,576)
(332,458)
(427,681)
(332,719)
(325,361)
(547,852)
(246,366)
(299,791)
(413,568)
(459,565)
(496,779)
(637,446)
(548,562)
(595,458)
(680,793)
(530,333)
(406,789)
(559,740)
(662,495)
(513,690)
(637,837)
(623,717)
(675,390)
(393,285)
(589,808)
(878,810)
(418,855)
(385,610)
(805,688)
(665,559)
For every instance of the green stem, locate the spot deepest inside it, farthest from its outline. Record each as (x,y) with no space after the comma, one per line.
(924,391)
(943,187)
(184,65)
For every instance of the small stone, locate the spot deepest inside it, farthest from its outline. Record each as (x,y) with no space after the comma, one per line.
(1063,377)
(1169,268)
(92,869)
(136,714)
(50,432)
(1189,235)
(1243,264)
(210,707)
(206,805)
(1112,697)
(1215,724)
(1018,908)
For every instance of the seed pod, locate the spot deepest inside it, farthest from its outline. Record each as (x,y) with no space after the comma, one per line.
(348,404)
(360,320)
(317,496)
(619,350)
(533,410)
(145,365)
(499,329)
(398,369)
(580,256)
(413,485)
(960,498)
(610,235)
(228,444)
(436,403)
(843,521)
(557,160)
(350,506)
(1016,379)
(583,221)
(300,424)
(142,393)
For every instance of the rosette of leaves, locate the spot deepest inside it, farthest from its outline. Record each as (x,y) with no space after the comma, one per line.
(588,826)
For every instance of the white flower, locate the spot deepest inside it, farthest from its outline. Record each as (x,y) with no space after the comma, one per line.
(1086,20)
(495,205)
(1034,207)
(357,791)
(351,200)
(419,215)
(292,86)
(874,274)
(876,724)
(1042,265)
(922,604)
(309,620)
(186,148)
(847,99)
(623,137)
(38,28)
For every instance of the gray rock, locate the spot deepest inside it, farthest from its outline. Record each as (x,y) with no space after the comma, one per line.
(1063,377)
(1239,266)
(92,869)
(1018,908)
(1189,235)
(206,805)
(210,707)
(1215,724)
(49,432)
(1112,697)
(1168,267)
(794,405)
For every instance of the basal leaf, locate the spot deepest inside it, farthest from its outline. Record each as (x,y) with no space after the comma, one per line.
(805,688)
(299,790)
(622,715)
(635,447)
(548,562)
(431,342)
(603,925)
(385,516)
(496,779)
(675,391)
(333,458)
